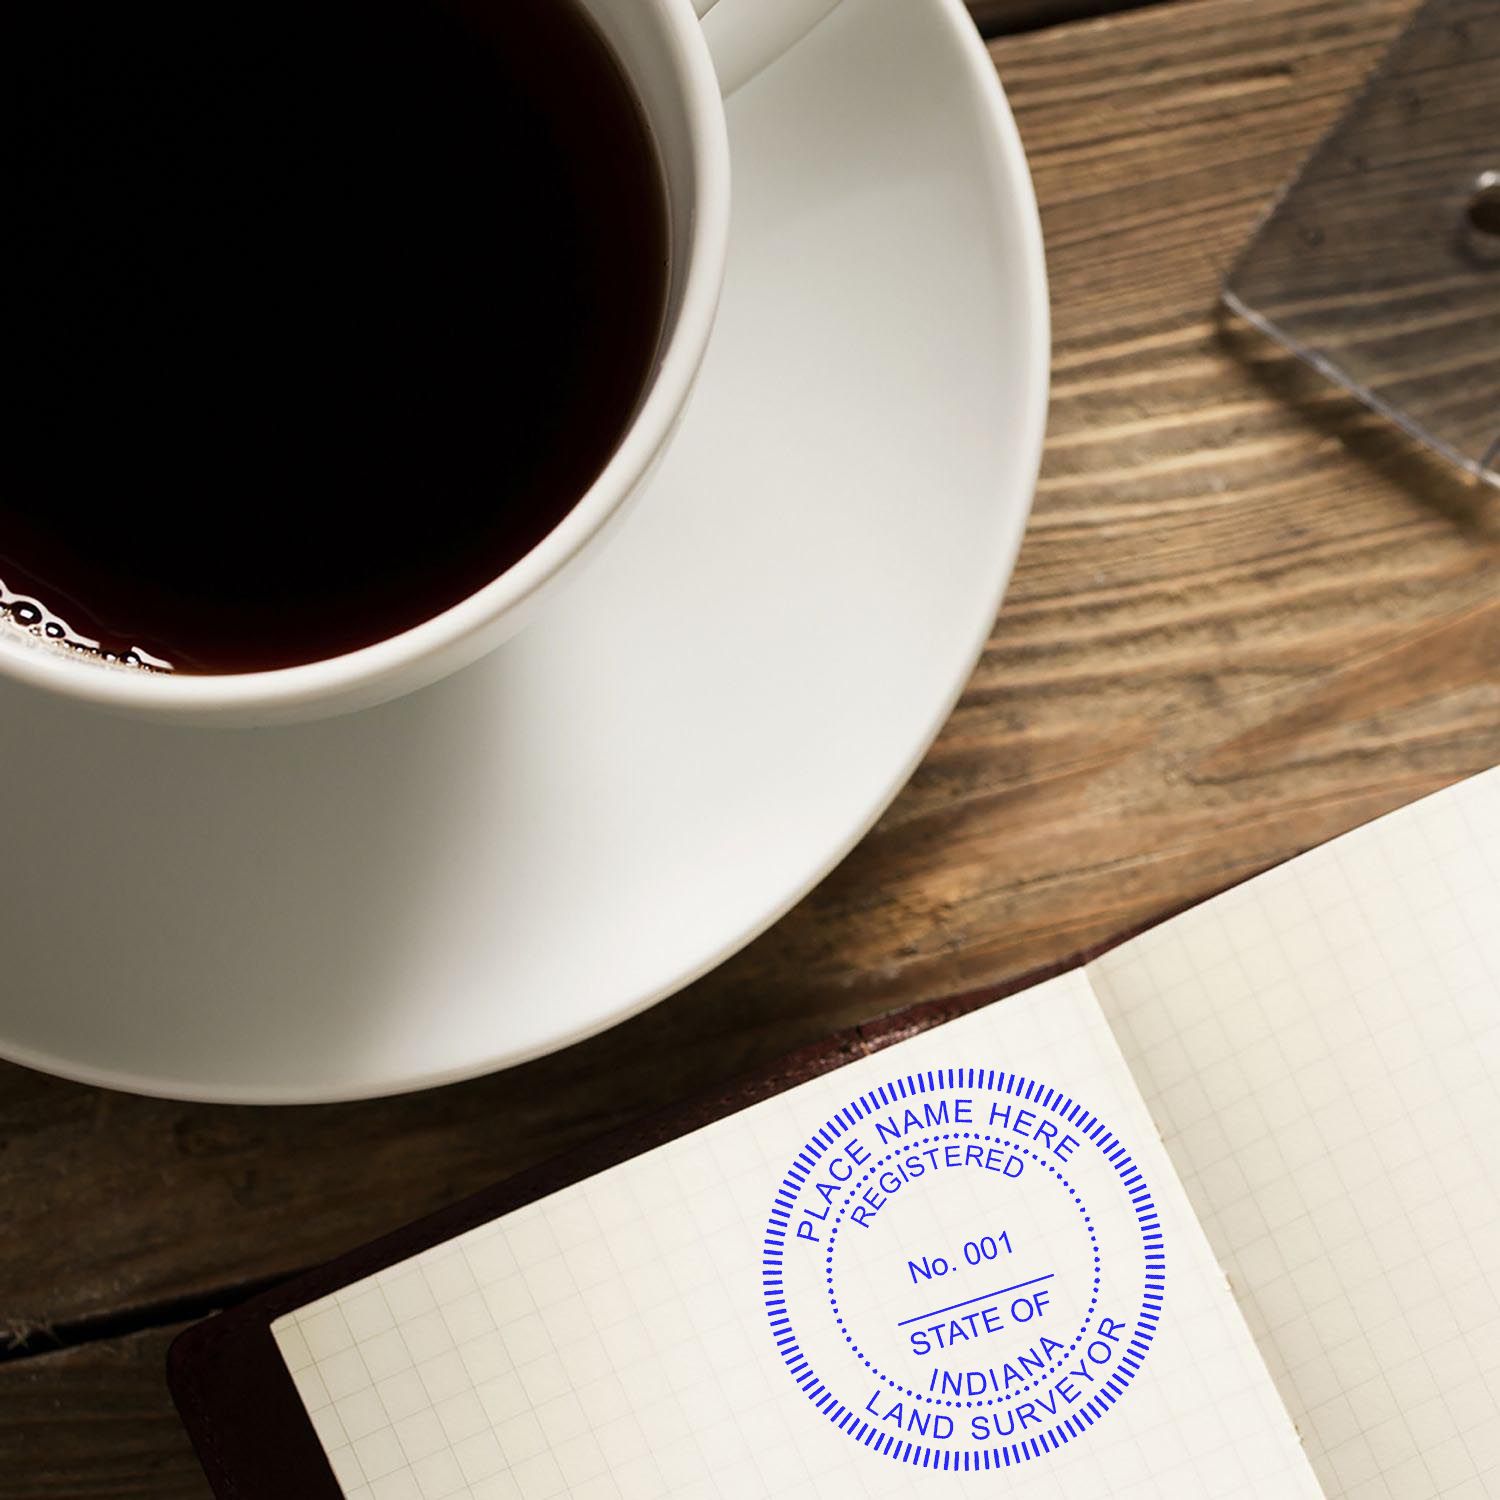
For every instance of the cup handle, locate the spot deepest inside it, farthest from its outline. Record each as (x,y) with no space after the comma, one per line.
(746,36)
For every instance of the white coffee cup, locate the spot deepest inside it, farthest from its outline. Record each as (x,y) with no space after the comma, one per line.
(681,67)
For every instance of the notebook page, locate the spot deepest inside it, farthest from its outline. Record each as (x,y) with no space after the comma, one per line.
(1320,1048)
(890,1281)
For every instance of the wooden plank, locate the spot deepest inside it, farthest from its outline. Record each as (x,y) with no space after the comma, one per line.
(95,1423)
(1247,617)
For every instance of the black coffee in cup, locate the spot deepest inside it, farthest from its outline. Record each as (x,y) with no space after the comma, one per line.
(319,313)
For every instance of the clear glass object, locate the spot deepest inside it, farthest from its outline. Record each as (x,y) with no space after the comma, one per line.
(1379,263)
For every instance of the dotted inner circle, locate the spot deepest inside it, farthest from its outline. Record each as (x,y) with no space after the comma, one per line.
(905,1150)
(911,1444)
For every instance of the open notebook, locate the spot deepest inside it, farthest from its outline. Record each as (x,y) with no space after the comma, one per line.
(1216,1216)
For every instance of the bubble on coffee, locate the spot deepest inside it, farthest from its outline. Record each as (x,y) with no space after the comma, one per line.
(21,612)
(320,315)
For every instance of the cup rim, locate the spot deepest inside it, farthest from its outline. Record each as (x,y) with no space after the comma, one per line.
(371,673)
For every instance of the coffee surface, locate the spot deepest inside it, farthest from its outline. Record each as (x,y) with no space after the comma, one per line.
(318,314)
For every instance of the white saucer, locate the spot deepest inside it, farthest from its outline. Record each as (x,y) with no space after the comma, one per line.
(644,780)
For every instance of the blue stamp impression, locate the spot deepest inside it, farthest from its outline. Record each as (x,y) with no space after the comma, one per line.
(963,1269)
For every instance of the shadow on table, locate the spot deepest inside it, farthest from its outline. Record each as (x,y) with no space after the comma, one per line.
(1471,506)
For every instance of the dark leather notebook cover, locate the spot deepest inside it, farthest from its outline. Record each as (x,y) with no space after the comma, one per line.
(227,1376)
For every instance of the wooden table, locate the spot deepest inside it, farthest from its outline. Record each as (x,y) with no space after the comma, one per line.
(1247,617)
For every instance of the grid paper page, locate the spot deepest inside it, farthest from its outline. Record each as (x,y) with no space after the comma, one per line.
(615,1340)
(1320,1048)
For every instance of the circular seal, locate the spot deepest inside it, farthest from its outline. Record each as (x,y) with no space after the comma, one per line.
(963,1269)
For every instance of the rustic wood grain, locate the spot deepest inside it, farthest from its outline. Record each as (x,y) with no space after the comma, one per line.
(1248,615)
(93,1422)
